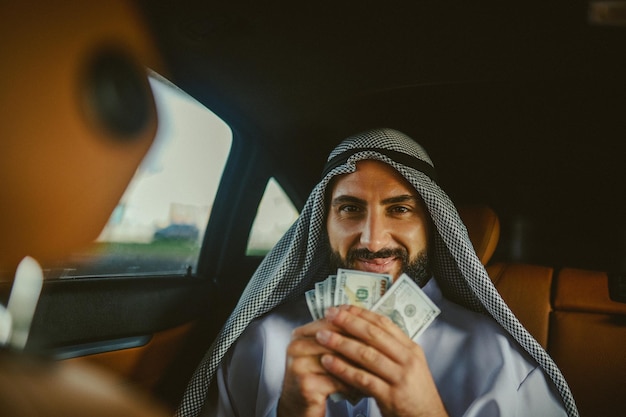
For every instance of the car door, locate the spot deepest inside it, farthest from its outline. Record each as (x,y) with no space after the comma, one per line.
(142,301)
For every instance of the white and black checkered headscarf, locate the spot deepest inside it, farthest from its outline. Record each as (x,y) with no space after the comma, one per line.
(301,258)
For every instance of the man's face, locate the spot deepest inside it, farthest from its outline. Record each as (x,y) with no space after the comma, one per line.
(377,222)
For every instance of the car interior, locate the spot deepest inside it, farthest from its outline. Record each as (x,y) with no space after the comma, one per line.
(520,105)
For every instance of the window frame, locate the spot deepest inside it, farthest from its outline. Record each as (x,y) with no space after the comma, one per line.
(223,256)
(234,209)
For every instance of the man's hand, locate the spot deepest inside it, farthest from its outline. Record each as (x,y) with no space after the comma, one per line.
(368,352)
(307,384)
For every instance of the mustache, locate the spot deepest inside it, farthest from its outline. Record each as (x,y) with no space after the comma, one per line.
(418,269)
(364,253)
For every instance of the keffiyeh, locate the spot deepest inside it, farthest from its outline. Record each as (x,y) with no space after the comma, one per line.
(301,257)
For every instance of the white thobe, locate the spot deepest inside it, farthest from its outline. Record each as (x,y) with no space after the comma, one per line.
(478,368)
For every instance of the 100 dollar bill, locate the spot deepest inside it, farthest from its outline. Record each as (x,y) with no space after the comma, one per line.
(360,288)
(407,306)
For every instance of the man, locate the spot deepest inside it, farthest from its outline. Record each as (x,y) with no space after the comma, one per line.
(377,208)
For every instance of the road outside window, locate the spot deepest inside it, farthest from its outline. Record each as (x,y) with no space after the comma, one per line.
(158,225)
(276,213)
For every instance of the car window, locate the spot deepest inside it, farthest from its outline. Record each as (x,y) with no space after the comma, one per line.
(158,225)
(276,213)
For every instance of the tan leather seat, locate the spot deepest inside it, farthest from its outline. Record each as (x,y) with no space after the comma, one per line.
(570,314)
(588,341)
(483,227)
(526,290)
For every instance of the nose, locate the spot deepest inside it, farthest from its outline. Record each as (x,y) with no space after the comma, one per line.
(375,233)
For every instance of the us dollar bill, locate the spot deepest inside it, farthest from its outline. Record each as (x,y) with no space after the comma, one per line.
(360,288)
(310,297)
(329,292)
(403,302)
(320,305)
(407,306)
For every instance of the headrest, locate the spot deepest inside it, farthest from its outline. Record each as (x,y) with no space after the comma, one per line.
(483,227)
(77,118)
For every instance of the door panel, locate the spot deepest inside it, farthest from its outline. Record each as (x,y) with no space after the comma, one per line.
(146,364)
(139,328)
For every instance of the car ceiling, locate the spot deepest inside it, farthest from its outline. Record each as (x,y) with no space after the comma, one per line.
(520,104)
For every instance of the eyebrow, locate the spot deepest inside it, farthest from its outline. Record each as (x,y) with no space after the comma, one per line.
(402,199)
(342,199)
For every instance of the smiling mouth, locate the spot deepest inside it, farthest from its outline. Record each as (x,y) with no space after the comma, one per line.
(378,265)
(377,261)
(384,261)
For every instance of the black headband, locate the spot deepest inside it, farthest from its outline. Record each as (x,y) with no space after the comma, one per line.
(399,157)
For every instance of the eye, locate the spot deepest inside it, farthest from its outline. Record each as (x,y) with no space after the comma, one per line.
(399,209)
(349,208)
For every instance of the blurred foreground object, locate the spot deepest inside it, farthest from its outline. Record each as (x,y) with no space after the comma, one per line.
(22,303)
(78,116)
(33,387)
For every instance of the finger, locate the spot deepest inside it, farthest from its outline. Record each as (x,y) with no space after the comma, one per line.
(307,390)
(372,329)
(310,329)
(304,351)
(362,355)
(352,376)
(306,347)
(304,360)
(378,320)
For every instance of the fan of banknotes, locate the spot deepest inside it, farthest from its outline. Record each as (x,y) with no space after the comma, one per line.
(403,301)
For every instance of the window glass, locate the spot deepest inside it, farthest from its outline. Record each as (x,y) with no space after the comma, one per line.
(158,225)
(276,213)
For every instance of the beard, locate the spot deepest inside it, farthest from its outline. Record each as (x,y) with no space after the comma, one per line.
(418,268)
